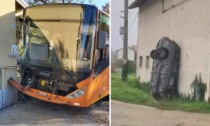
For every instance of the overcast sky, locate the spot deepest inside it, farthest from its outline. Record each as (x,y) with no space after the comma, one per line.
(117,21)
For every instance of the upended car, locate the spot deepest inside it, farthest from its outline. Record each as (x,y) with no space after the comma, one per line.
(165,70)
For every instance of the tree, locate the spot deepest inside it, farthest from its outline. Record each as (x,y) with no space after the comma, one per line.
(105,8)
(34,2)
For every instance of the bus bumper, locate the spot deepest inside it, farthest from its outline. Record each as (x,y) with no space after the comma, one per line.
(45,96)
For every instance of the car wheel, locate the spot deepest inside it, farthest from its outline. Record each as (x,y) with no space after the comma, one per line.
(162,53)
(153,54)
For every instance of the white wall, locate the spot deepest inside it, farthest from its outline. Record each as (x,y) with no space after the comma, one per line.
(8,93)
(189,25)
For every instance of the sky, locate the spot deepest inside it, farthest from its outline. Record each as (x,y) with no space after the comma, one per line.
(116,21)
(98,3)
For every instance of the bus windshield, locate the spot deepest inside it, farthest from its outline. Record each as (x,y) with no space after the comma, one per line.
(68,43)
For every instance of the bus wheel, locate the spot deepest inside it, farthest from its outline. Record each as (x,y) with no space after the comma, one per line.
(106,98)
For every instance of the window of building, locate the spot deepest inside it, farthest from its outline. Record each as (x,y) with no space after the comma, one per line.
(147,61)
(140,61)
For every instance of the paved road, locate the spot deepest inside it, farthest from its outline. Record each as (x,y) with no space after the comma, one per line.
(35,112)
(124,114)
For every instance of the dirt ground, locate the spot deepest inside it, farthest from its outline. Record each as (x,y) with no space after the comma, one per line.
(35,112)
(124,114)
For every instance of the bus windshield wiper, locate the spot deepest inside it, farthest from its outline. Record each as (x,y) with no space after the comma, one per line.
(68,74)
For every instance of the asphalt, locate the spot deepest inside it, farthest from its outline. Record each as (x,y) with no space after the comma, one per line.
(124,114)
(36,112)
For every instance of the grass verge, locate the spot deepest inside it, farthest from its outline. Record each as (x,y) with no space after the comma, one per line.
(136,93)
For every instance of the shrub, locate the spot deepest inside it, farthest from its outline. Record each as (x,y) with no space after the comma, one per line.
(199,88)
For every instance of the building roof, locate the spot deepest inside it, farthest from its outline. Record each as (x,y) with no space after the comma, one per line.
(22,3)
(133,48)
(137,3)
(19,6)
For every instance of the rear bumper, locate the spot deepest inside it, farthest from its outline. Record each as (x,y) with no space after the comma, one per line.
(45,96)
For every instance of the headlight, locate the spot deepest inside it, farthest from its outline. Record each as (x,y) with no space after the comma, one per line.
(77,93)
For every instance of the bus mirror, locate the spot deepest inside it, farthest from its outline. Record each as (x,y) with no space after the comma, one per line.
(101,40)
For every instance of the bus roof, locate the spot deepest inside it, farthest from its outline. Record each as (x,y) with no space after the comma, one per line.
(104,17)
(103,12)
(62,4)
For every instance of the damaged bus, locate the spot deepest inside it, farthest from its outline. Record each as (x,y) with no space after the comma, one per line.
(66,54)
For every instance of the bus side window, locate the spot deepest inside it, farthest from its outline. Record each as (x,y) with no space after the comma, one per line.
(102,60)
(102,55)
(87,49)
(97,56)
(107,53)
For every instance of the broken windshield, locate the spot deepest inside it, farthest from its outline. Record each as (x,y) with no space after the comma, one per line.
(66,43)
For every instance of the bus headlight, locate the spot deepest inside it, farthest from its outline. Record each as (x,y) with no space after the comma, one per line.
(77,93)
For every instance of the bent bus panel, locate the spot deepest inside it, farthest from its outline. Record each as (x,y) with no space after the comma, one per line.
(66,57)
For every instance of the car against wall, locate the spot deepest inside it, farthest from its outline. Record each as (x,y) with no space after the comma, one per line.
(165,70)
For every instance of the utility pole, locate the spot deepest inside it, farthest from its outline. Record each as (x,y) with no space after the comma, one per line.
(125,43)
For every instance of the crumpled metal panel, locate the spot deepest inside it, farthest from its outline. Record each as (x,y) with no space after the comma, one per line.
(165,70)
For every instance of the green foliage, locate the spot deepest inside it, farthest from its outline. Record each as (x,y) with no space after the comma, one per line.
(129,91)
(199,88)
(19,36)
(117,63)
(18,29)
(36,35)
(131,67)
(188,97)
(138,93)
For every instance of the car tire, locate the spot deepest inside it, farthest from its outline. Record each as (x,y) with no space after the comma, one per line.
(162,53)
(153,54)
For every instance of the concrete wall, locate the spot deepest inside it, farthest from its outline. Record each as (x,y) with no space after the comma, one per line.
(188,23)
(7,34)
(7,37)
(131,54)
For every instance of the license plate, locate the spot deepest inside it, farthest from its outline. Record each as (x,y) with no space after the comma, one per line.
(42,94)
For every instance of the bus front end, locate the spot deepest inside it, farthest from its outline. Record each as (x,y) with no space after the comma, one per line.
(59,55)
